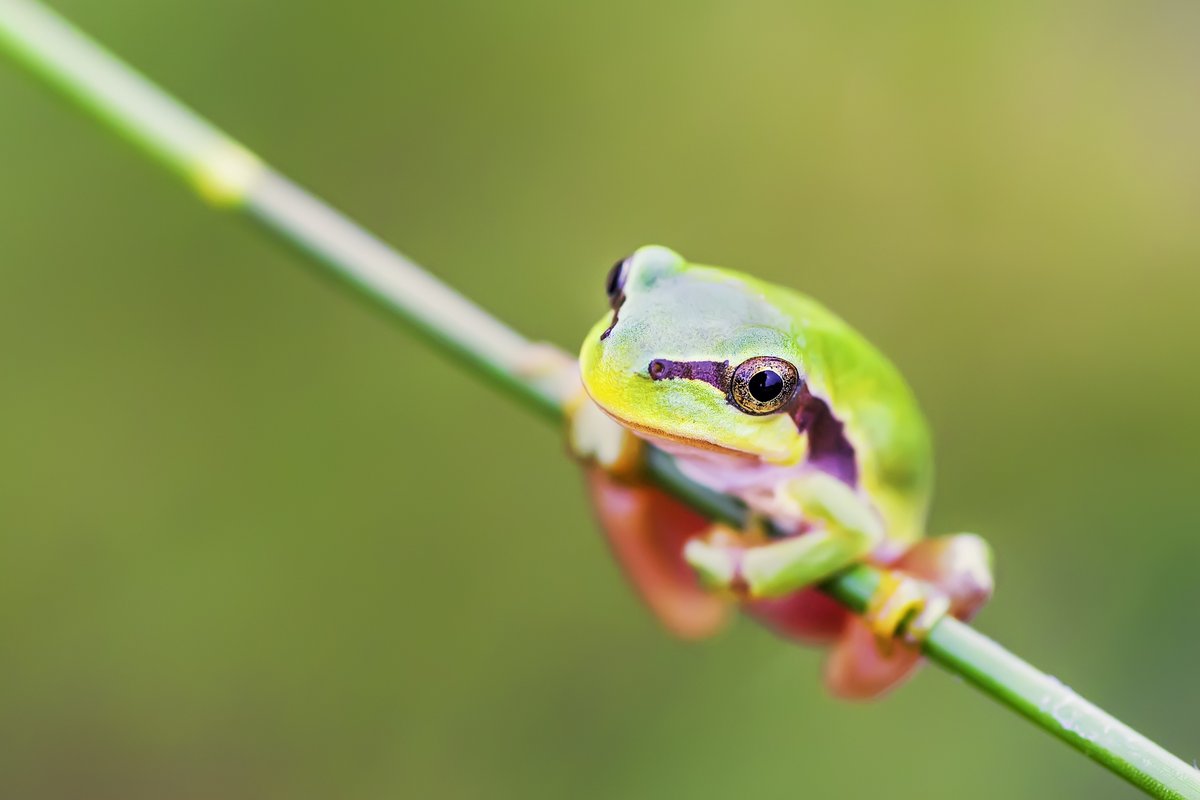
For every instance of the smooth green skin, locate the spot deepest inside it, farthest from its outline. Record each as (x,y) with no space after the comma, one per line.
(685,312)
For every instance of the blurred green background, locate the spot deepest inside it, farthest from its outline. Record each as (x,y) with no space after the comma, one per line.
(259,543)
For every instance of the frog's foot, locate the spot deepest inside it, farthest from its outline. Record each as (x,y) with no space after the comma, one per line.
(547,364)
(953,572)
(544,360)
(934,577)
(959,567)
(595,438)
(903,606)
(868,658)
(553,371)
(718,559)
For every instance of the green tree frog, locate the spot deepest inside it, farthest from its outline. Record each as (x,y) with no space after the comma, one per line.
(760,392)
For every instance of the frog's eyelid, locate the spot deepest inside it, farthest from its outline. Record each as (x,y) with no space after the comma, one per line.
(614,284)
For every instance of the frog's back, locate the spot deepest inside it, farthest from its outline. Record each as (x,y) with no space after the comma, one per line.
(882,421)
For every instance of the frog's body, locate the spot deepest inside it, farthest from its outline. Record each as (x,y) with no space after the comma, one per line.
(761,392)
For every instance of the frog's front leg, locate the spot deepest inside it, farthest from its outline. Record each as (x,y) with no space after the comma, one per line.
(843,530)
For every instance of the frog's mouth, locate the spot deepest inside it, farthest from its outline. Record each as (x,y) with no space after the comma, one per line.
(658,435)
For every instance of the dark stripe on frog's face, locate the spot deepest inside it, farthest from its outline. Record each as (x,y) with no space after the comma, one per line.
(714,373)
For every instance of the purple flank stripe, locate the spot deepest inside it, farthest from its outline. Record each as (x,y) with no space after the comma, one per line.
(828,448)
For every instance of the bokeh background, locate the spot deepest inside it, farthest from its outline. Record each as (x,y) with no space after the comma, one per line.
(257,542)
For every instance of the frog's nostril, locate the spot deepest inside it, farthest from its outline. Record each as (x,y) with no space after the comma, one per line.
(714,373)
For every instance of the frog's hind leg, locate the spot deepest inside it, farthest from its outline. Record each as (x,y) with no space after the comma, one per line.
(806,616)
(647,531)
(858,669)
(956,567)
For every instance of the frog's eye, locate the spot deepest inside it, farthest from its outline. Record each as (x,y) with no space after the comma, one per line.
(763,385)
(615,283)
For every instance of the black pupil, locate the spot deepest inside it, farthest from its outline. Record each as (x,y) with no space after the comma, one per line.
(616,279)
(765,386)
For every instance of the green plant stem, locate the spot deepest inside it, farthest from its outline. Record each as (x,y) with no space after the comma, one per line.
(228,175)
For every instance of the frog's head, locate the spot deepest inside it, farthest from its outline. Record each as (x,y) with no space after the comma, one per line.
(696,356)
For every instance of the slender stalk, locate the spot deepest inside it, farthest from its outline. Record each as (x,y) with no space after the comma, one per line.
(228,175)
